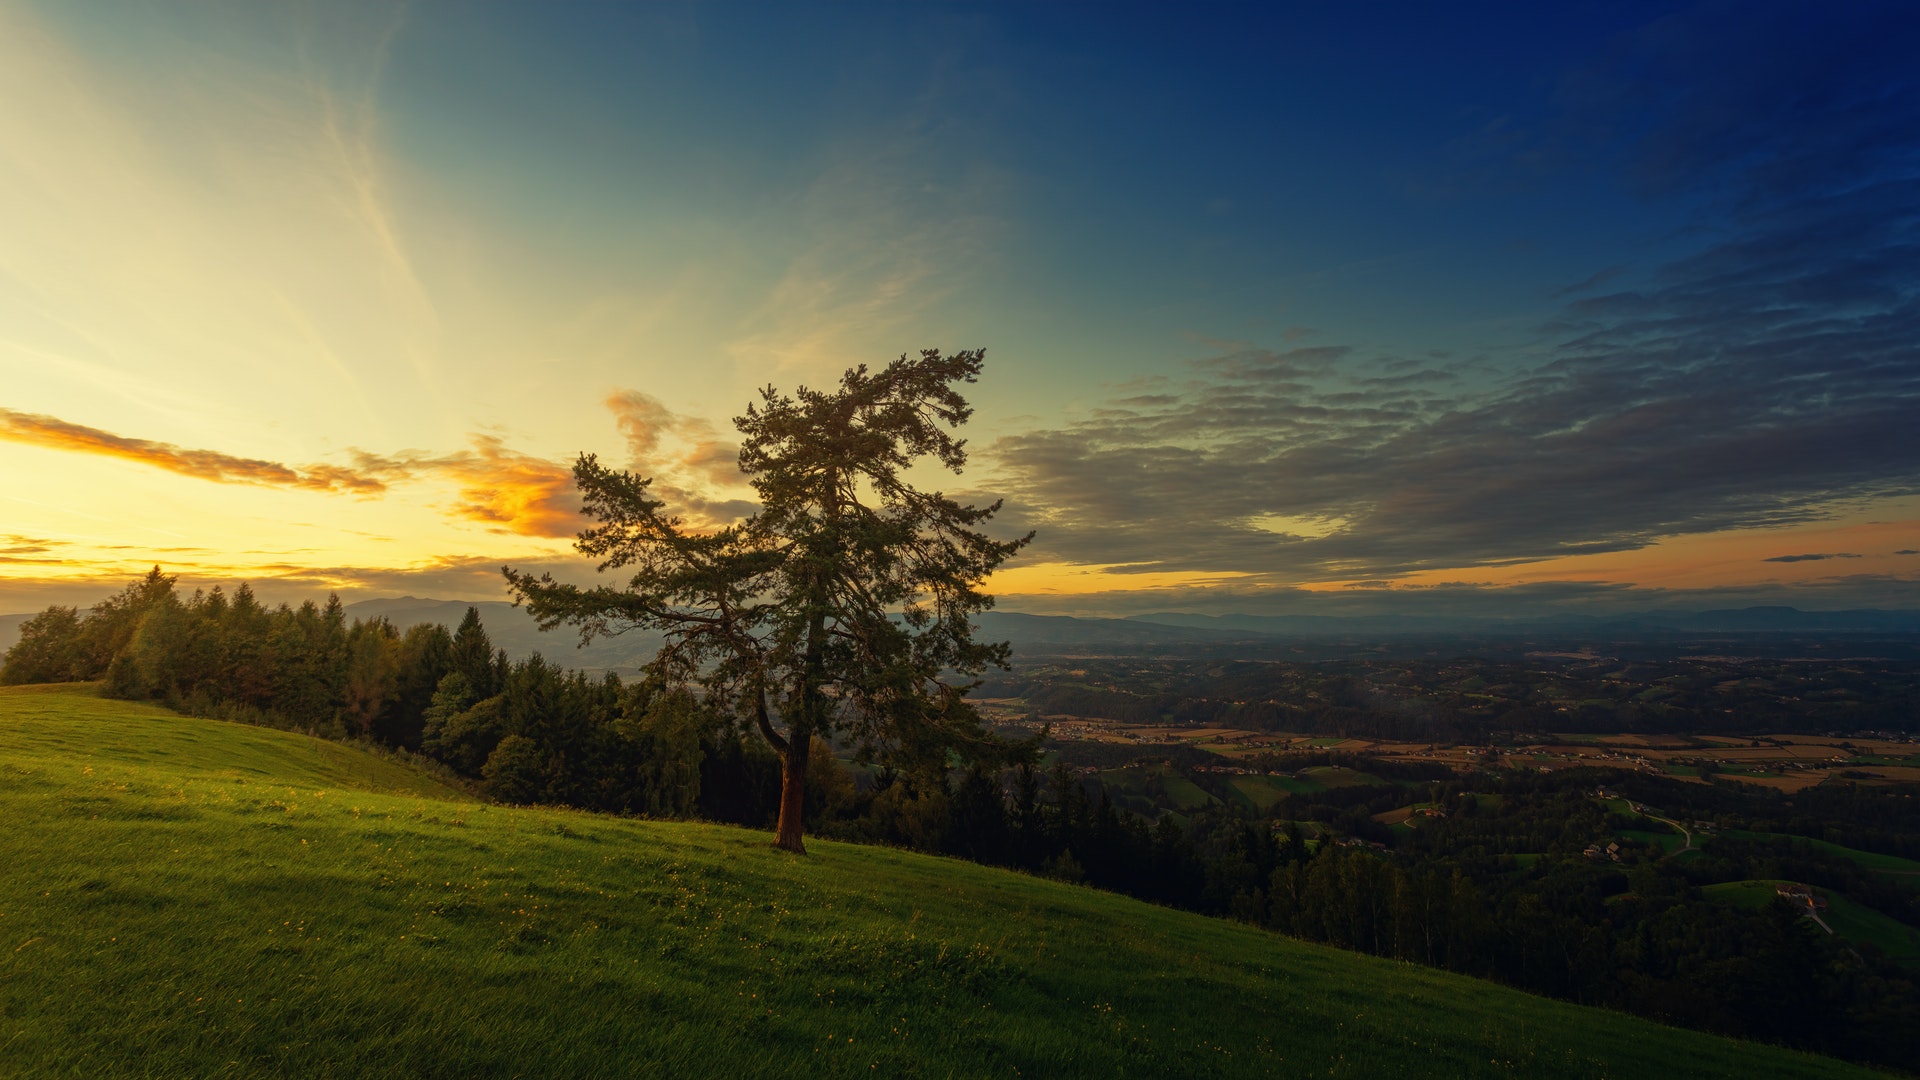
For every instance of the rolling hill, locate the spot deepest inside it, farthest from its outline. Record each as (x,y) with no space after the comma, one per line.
(190,897)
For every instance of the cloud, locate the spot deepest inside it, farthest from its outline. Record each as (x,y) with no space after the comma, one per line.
(1472,600)
(15,544)
(466,577)
(1907,551)
(499,487)
(691,466)
(1743,392)
(1769,377)
(215,200)
(504,489)
(56,434)
(452,578)
(1809,558)
(17,550)
(511,492)
(894,219)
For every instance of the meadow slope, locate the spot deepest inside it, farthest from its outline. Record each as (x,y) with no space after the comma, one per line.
(184,897)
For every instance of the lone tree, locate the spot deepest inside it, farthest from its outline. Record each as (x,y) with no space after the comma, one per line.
(843,603)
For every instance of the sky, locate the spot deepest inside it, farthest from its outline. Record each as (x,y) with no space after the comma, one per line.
(1288,307)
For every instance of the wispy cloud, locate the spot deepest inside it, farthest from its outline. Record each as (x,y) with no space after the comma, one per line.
(15,544)
(691,465)
(29,550)
(466,577)
(509,491)
(191,184)
(893,218)
(1809,557)
(1260,596)
(56,434)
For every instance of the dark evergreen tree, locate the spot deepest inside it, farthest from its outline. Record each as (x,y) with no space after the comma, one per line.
(112,623)
(843,604)
(48,650)
(423,657)
(473,656)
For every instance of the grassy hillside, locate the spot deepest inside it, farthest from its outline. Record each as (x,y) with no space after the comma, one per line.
(1849,919)
(1868,860)
(185,897)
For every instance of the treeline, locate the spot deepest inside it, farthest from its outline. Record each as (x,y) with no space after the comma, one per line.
(1499,887)
(525,732)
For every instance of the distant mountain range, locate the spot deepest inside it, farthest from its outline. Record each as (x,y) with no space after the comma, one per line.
(10,629)
(514,630)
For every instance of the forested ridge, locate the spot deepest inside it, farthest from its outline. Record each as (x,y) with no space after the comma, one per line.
(1497,882)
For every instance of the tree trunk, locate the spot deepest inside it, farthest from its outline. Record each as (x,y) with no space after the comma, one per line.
(800,729)
(793,794)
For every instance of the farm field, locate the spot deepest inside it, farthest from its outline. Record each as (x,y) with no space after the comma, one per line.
(1848,919)
(1672,842)
(1259,792)
(187,897)
(1752,895)
(1786,763)
(1870,860)
(1861,924)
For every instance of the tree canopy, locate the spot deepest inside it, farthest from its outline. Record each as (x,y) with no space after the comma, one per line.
(842,605)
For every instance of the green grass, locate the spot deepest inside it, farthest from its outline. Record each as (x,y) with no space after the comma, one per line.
(189,898)
(1177,791)
(1257,792)
(1849,919)
(1861,924)
(1296,785)
(1672,842)
(1751,895)
(1868,860)
(1184,794)
(1339,776)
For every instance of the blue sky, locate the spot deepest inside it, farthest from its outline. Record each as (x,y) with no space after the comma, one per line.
(1286,306)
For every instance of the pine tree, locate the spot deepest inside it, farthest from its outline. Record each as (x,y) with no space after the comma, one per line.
(843,604)
(48,649)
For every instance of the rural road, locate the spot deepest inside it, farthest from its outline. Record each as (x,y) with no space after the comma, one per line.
(1688,846)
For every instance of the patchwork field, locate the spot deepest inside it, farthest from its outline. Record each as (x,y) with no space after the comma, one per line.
(1786,763)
